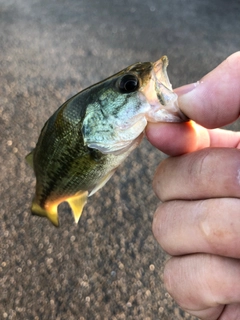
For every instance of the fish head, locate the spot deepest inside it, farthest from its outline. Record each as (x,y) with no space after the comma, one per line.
(121,106)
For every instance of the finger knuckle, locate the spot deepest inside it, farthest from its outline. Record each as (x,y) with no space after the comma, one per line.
(159,180)
(159,226)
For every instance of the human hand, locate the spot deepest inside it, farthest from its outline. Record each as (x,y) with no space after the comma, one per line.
(198,222)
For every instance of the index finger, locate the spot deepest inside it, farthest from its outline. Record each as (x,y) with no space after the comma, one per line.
(175,139)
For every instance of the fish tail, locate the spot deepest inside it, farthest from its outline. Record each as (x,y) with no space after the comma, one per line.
(49,211)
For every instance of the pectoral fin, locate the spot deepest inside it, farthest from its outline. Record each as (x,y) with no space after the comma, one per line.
(49,212)
(77,203)
(29,159)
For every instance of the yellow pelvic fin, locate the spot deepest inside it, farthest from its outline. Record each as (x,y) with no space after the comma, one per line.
(29,159)
(49,212)
(77,203)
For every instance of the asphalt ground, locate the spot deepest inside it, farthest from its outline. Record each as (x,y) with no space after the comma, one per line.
(108,266)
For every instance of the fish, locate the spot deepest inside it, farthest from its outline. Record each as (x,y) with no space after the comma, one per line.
(91,134)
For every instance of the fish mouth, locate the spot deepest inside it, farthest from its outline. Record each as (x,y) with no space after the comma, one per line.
(160,72)
(159,93)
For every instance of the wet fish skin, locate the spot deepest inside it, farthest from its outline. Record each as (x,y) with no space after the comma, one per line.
(87,138)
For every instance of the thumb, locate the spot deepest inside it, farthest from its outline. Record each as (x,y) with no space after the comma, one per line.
(214,101)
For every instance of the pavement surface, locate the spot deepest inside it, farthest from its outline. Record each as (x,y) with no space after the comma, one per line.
(109,266)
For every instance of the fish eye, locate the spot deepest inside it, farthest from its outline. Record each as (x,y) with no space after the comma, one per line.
(128,83)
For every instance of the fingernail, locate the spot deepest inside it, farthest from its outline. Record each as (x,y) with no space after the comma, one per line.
(187,96)
(187,88)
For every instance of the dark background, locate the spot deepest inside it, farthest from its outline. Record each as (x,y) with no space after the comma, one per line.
(109,266)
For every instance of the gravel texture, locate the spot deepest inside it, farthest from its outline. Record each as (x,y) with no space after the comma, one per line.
(109,266)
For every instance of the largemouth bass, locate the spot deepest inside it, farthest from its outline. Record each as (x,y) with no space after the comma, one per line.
(88,137)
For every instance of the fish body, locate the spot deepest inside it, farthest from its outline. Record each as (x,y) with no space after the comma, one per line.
(91,134)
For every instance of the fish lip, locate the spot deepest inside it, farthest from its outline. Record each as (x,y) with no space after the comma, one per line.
(160,68)
(160,95)
(159,72)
